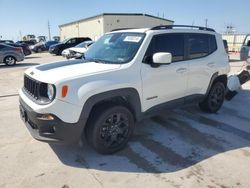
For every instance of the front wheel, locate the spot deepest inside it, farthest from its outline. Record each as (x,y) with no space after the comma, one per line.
(215,98)
(109,128)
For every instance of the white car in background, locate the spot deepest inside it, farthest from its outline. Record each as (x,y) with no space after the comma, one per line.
(77,51)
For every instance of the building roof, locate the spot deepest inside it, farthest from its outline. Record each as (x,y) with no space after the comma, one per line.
(114,14)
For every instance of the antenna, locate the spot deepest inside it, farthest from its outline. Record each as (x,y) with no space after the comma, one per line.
(206,21)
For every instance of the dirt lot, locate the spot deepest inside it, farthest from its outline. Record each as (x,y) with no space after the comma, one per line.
(184,148)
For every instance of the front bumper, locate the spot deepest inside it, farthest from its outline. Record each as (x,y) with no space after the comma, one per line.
(50,130)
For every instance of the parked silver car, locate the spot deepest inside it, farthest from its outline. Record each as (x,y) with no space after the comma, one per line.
(10,55)
(245,49)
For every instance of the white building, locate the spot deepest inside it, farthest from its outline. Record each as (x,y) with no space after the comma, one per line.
(96,26)
(234,41)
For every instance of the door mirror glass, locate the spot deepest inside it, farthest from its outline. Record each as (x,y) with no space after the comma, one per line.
(162,58)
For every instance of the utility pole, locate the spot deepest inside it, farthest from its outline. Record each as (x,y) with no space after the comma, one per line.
(20,34)
(49,30)
(206,21)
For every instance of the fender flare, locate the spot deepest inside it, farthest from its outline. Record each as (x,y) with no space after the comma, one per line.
(131,95)
(212,80)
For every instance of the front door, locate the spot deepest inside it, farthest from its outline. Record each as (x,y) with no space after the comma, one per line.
(166,82)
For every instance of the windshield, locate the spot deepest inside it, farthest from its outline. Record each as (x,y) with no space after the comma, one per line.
(115,48)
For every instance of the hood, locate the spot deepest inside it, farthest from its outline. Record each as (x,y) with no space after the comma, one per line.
(78,50)
(63,70)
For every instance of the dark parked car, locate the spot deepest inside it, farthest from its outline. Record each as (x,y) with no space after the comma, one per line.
(43,46)
(9,55)
(58,48)
(28,42)
(6,41)
(25,47)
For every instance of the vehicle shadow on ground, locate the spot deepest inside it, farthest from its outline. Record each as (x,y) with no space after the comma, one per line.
(171,141)
(235,60)
(18,65)
(32,57)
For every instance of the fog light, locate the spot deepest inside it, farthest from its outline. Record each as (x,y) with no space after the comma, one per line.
(46,117)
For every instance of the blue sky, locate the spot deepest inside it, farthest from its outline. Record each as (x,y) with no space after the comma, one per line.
(31,16)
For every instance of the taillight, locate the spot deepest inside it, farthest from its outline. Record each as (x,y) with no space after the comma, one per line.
(19,50)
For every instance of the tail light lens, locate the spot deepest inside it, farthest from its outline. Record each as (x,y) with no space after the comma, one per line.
(19,50)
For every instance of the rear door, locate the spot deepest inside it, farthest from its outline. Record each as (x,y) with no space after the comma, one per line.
(201,56)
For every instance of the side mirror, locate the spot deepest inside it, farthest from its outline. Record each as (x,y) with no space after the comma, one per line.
(162,58)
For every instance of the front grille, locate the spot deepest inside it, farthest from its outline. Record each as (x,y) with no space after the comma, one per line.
(31,86)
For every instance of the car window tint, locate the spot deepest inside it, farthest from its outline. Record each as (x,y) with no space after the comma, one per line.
(71,41)
(247,41)
(213,44)
(172,43)
(198,46)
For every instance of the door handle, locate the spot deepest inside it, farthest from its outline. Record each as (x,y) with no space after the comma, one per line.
(211,64)
(181,70)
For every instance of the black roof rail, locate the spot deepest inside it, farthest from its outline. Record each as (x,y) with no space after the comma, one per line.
(121,29)
(162,27)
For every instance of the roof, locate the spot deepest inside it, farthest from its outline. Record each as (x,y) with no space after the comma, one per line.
(115,14)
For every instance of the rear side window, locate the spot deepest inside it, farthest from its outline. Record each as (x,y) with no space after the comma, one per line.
(198,46)
(172,43)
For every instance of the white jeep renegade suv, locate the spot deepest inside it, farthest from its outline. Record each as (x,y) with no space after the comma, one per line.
(125,76)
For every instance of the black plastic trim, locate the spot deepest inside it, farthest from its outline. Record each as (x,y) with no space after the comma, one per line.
(163,27)
(131,95)
(50,131)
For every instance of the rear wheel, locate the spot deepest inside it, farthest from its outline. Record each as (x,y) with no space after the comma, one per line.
(10,60)
(215,98)
(109,128)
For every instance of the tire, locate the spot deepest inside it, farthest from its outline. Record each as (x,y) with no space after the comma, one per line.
(109,128)
(39,50)
(10,61)
(215,98)
(59,52)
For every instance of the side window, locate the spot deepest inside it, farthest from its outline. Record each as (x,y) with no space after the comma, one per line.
(247,41)
(198,46)
(1,46)
(71,41)
(172,43)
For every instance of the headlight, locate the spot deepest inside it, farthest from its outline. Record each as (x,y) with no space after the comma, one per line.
(50,91)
